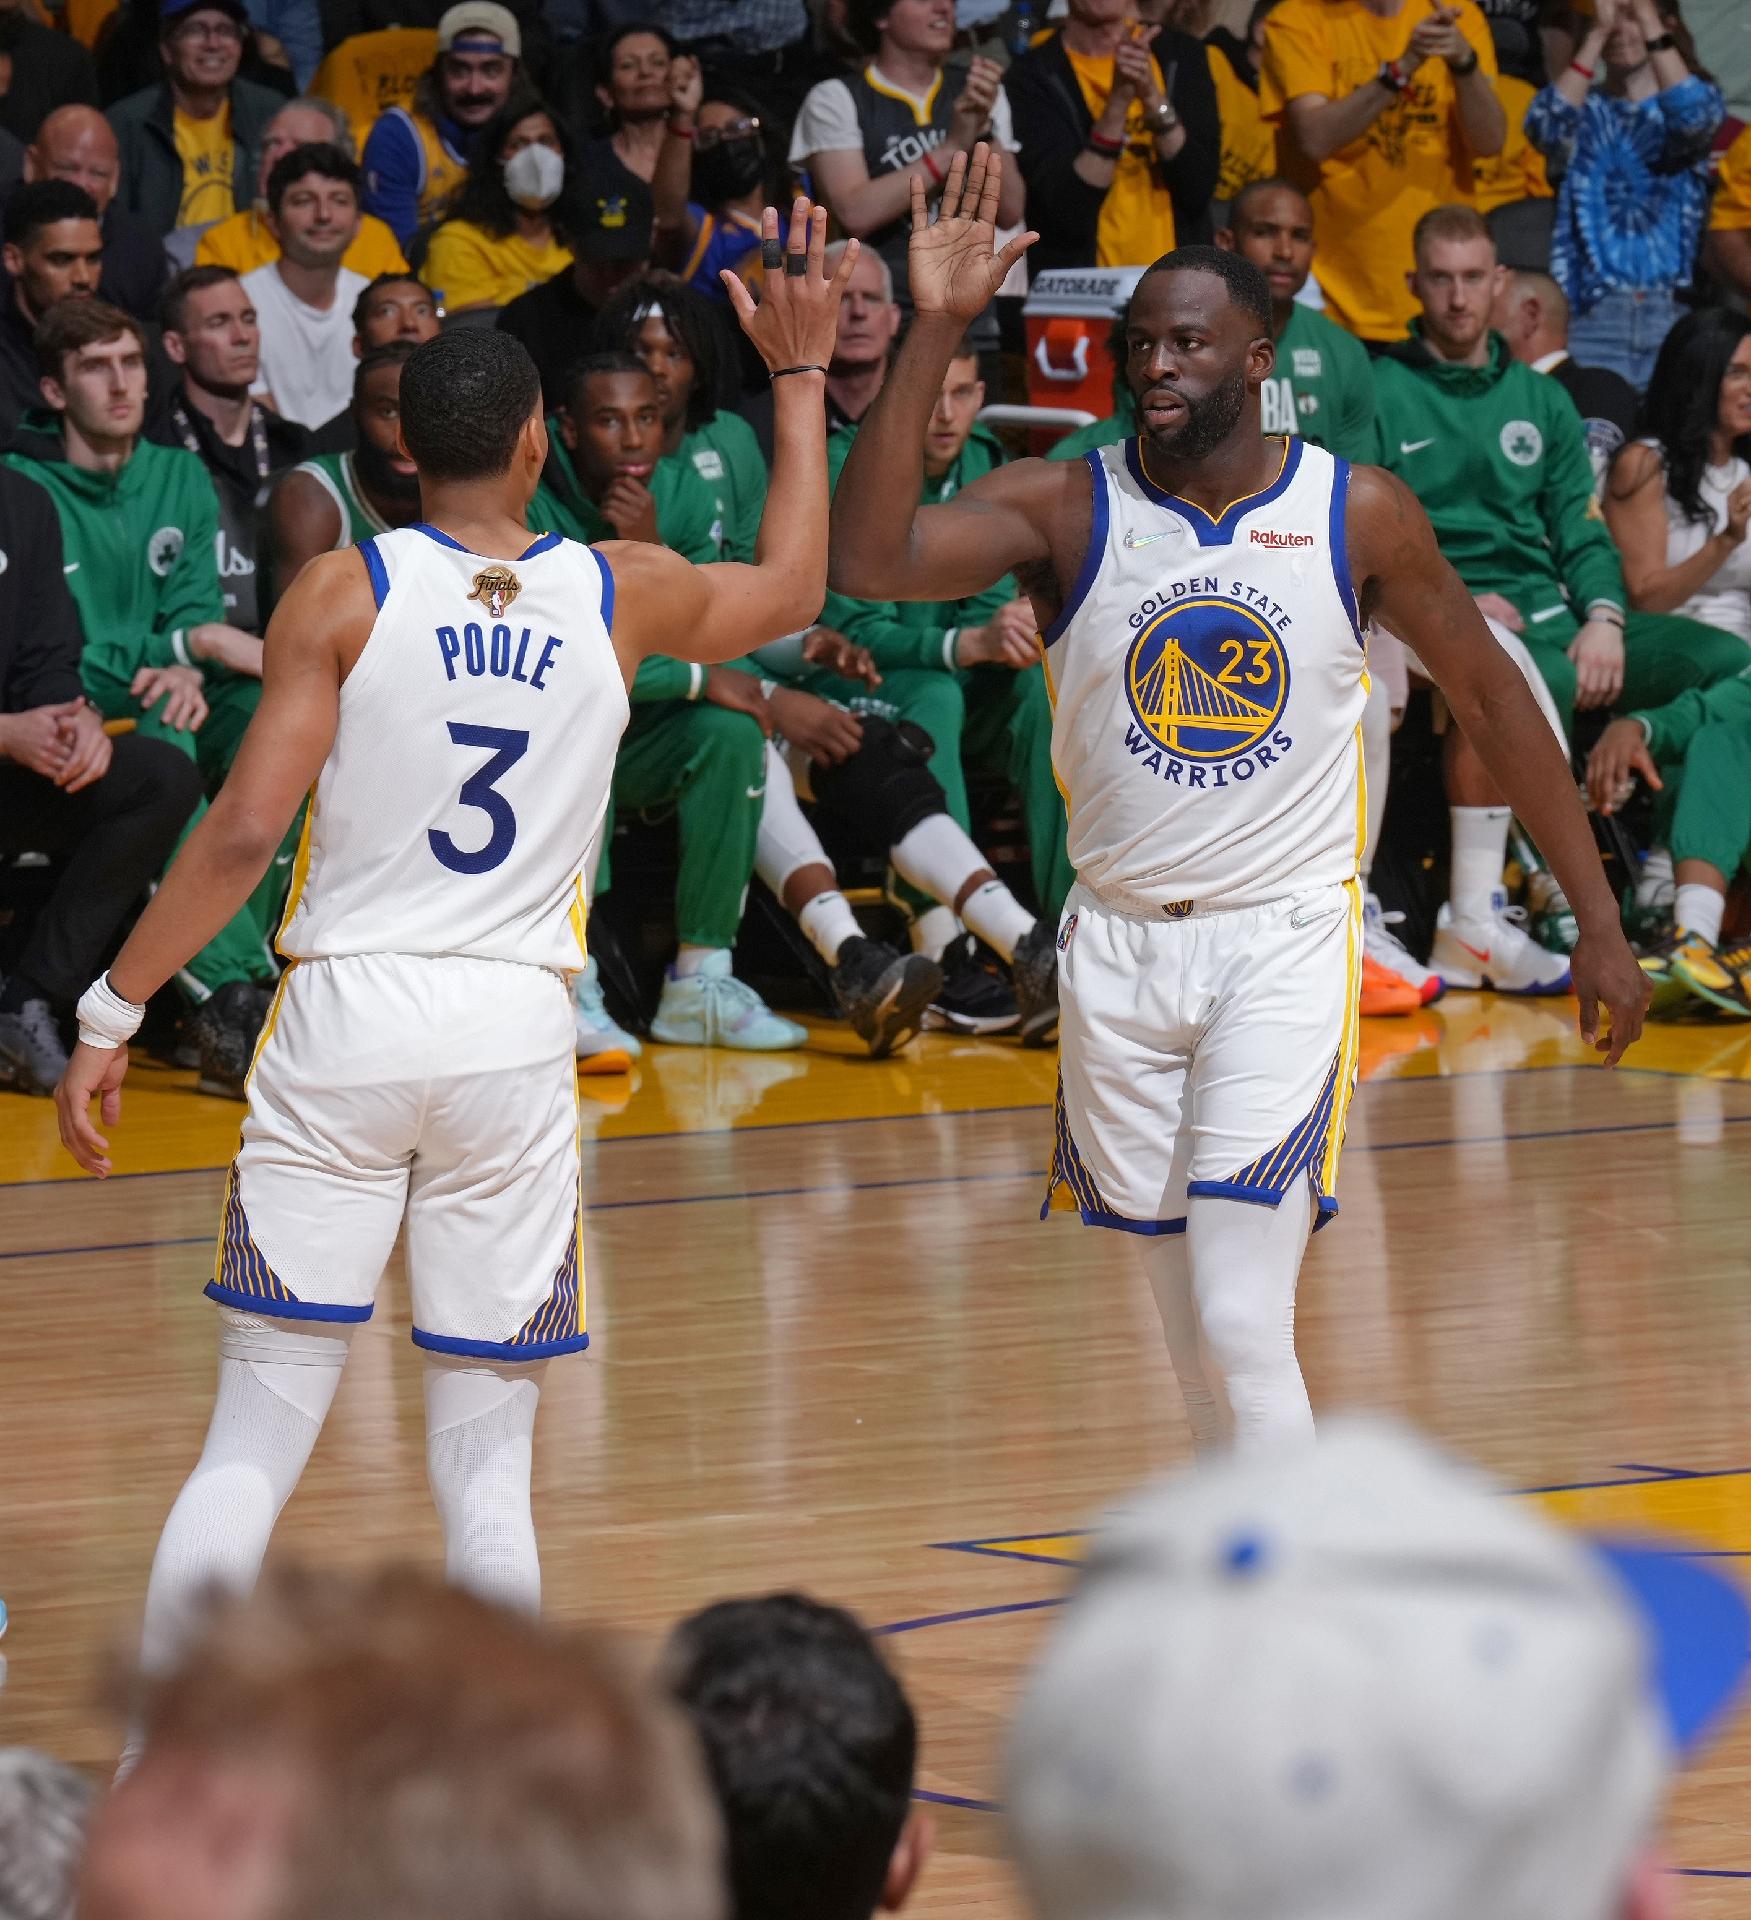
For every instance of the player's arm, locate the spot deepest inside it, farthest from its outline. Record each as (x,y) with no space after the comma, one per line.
(664,604)
(302,523)
(884,546)
(318,625)
(1402,578)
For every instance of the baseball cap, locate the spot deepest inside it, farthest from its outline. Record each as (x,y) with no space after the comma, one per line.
(480,20)
(173,10)
(1355,1682)
(609,215)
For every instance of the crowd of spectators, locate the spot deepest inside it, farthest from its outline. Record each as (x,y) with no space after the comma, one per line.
(224,224)
(1353,1679)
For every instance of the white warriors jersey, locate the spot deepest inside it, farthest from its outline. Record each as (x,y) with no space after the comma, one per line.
(1208,679)
(469,773)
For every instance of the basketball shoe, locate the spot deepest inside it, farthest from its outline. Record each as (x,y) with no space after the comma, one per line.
(225,1028)
(1551,919)
(1034,970)
(975,996)
(1384,993)
(884,993)
(1392,962)
(1722,979)
(1660,964)
(32,1058)
(1497,953)
(711,1008)
(601,1044)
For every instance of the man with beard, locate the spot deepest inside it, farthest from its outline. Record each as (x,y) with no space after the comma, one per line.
(415,158)
(211,333)
(1202,593)
(335,500)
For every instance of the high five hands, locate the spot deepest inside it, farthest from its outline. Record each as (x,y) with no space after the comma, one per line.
(952,266)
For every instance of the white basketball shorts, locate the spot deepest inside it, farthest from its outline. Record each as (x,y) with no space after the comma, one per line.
(439,1091)
(1209,1054)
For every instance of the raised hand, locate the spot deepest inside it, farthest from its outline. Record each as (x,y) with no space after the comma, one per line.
(797,317)
(951,266)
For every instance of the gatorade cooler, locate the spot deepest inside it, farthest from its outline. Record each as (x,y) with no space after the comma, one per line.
(1069,313)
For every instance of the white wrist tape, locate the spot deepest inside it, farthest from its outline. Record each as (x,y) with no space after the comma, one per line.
(105,1018)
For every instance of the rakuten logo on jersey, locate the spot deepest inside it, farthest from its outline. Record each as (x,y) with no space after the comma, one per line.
(1270,537)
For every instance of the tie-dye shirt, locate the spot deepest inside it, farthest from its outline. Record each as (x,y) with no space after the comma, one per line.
(1633,194)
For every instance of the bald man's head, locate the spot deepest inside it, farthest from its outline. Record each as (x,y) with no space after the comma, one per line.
(75,143)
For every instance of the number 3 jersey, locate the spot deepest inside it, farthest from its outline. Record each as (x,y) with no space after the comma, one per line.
(1208,678)
(470,769)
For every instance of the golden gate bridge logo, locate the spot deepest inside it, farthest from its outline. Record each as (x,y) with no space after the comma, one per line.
(1207,679)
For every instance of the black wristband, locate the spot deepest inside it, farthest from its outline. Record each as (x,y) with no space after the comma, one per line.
(778,373)
(1661,43)
(1468,69)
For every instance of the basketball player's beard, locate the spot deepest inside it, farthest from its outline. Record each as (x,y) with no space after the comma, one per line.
(1208,421)
(378,475)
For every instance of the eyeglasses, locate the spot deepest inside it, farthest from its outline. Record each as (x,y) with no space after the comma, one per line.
(218,31)
(747,128)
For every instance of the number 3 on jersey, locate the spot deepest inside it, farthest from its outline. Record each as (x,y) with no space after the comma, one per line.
(480,790)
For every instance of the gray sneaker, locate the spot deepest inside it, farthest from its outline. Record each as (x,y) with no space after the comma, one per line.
(32,1058)
(1034,969)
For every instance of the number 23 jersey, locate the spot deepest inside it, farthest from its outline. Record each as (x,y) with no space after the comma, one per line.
(1208,678)
(470,768)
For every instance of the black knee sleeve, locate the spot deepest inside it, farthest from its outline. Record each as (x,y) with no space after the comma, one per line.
(886,788)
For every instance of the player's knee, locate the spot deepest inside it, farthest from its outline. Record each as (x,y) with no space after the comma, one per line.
(723,737)
(933,700)
(886,787)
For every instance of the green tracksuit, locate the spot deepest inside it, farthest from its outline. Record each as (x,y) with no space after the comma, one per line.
(336,474)
(1710,732)
(999,717)
(727,457)
(1322,389)
(704,760)
(1498,457)
(142,563)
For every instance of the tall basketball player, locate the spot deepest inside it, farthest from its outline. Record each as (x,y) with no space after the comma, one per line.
(1203,594)
(454,694)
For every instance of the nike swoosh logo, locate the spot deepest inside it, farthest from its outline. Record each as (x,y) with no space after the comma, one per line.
(1146,539)
(1416,446)
(756,793)
(1479,954)
(71,567)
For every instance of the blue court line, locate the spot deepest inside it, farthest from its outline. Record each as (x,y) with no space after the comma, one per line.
(879,1186)
(975,1113)
(957,1800)
(967,1613)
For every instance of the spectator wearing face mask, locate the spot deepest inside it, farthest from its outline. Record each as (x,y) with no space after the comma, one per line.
(500,240)
(731,170)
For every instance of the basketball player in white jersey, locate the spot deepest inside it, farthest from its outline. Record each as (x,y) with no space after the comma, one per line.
(1203,593)
(454,693)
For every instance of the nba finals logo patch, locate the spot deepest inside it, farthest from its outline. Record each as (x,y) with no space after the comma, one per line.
(495,588)
(1207,678)
(1066,934)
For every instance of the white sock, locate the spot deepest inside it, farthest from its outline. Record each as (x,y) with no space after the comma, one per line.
(1245,1260)
(997,917)
(276,1382)
(1700,909)
(691,960)
(480,1440)
(1168,1264)
(937,857)
(828,922)
(1480,849)
(934,928)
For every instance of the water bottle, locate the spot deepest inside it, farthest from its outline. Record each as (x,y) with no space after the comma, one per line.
(1022,34)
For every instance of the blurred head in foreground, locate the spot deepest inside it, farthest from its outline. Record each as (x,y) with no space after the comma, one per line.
(383,1748)
(1357,1681)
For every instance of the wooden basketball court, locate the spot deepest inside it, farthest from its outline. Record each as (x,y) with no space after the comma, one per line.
(835,1349)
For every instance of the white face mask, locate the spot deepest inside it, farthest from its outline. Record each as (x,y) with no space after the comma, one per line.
(534,176)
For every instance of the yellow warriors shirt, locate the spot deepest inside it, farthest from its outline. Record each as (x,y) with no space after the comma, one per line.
(1136,218)
(1517,172)
(1731,212)
(1249,145)
(208,157)
(1368,196)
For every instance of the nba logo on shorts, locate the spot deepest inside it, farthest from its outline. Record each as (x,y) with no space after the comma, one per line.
(1066,934)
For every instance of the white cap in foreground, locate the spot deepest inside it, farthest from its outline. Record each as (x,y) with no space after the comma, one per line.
(1355,1682)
